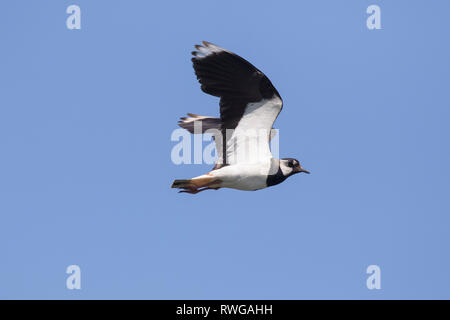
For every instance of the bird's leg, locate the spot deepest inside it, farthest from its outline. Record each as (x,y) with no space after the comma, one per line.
(196,188)
(190,189)
(195,191)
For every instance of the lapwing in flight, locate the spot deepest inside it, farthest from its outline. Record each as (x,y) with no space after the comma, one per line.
(249,105)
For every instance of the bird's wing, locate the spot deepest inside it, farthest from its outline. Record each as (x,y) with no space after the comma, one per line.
(196,124)
(249,103)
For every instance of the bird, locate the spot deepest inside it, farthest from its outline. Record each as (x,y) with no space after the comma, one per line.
(249,105)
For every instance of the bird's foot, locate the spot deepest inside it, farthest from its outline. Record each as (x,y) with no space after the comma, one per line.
(193,190)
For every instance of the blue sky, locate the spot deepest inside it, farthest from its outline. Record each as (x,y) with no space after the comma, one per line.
(85,123)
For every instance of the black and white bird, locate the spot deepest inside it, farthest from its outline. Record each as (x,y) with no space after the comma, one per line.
(249,105)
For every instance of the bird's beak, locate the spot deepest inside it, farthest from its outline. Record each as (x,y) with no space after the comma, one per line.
(300,169)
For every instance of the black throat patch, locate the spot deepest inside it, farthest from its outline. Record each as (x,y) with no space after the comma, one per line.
(276,178)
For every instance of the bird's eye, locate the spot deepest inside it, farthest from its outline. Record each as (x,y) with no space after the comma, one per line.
(290,163)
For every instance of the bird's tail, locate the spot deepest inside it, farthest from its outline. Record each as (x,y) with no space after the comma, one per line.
(203,123)
(182,183)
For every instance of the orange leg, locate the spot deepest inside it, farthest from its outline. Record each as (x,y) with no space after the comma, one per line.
(195,190)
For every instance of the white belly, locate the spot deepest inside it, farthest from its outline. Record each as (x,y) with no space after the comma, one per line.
(252,176)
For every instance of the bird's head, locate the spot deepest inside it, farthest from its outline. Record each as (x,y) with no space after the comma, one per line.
(291,166)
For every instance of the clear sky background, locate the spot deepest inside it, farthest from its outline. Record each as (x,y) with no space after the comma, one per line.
(85,169)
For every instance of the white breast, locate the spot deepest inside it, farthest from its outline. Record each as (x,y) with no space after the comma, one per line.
(246,176)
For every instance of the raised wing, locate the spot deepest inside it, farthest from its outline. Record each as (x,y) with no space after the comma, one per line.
(249,103)
(196,124)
